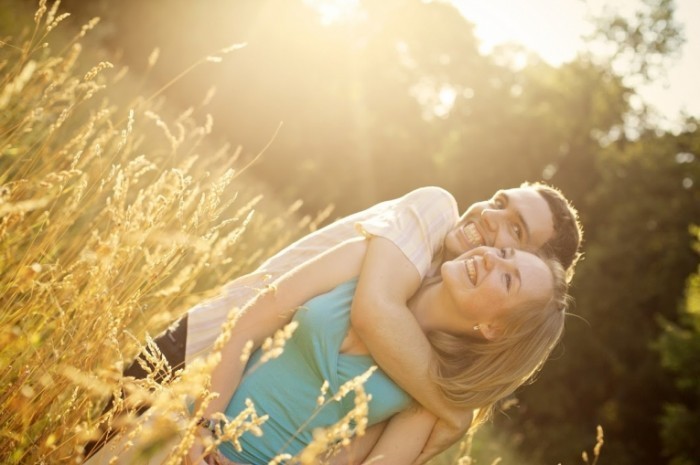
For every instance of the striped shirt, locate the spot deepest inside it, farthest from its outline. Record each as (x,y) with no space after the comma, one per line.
(417,223)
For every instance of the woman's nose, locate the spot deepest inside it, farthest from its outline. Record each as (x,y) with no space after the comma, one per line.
(490,259)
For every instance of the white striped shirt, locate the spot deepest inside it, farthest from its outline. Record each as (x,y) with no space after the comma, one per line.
(417,223)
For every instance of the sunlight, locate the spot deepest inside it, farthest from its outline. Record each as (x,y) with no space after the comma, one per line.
(554,33)
(334,11)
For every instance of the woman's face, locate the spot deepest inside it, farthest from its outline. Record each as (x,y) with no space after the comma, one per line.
(485,283)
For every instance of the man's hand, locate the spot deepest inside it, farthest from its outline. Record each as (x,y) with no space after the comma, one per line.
(444,434)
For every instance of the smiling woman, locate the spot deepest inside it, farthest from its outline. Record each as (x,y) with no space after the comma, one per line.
(483,285)
(528,318)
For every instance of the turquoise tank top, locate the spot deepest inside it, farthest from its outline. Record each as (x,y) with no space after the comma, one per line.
(287,388)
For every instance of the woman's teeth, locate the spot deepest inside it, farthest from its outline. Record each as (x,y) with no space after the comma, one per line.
(471,270)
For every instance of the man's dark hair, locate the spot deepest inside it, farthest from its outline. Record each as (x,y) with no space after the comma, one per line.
(568,233)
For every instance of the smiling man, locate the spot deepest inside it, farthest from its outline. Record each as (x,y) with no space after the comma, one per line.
(533,216)
(520,217)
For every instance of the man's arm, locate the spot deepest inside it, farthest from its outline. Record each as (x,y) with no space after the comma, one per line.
(394,338)
(387,327)
(403,438)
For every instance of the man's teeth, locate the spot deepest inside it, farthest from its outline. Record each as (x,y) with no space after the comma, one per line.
(473,234)
(471,270)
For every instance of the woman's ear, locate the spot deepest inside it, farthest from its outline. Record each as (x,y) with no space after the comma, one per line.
(490,331)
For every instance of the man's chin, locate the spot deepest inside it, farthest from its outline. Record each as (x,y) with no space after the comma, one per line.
(453,246)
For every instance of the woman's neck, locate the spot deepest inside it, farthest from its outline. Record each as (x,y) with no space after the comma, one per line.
(426,303)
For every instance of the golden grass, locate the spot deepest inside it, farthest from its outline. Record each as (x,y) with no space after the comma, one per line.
(114,218)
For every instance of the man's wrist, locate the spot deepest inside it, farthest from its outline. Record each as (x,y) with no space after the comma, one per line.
(208,424)
(459,419)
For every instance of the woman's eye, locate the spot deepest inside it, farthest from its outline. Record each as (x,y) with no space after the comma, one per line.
(503,252)
(498,203)
(508,282)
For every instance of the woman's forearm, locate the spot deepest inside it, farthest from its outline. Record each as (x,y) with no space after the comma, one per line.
(226,377)
(359,448)
(403,438)
(274,308)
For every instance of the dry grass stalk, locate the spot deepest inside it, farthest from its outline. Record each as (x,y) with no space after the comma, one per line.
(106,234)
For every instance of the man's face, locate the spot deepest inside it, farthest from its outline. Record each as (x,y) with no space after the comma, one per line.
(518,218)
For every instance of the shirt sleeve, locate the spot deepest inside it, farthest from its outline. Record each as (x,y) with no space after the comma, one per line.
(417,223)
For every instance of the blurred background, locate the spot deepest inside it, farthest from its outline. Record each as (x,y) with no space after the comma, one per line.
(362,101)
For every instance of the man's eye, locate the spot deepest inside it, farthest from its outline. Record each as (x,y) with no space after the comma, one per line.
(508,282)
(518,231)
(503,252)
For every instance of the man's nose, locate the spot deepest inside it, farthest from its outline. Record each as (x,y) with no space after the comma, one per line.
(489,218)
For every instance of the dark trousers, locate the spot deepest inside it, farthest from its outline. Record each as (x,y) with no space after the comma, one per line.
(171,343)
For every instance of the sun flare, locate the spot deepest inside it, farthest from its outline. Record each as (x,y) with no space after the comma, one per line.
(334,11)
(540,26)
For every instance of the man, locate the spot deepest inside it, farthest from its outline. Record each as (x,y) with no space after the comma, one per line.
(409,236)
(529,217)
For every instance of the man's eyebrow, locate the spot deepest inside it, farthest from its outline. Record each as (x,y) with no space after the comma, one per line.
(521,219)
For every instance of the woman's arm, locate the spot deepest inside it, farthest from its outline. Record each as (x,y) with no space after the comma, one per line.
(360,447)
(272,309)
(403,438)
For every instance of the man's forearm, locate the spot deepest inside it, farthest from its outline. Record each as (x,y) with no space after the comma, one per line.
(386,325)
(405,354)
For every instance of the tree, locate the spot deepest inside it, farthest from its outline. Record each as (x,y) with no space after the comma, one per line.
(679,345)
(636,262)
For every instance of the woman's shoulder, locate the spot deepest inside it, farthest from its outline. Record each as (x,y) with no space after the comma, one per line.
(328,310)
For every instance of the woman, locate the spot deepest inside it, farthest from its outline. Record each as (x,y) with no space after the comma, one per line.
(492,318)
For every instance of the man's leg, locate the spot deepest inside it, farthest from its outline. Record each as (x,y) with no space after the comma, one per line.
(171,343)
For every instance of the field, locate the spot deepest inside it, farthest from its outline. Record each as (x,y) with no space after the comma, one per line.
(115,216)
(117,213)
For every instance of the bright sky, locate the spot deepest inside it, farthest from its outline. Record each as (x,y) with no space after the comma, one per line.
(554,30)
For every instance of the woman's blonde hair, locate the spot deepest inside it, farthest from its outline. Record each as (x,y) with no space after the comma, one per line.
(473,372)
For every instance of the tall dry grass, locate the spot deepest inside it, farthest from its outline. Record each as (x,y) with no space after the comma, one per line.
(115,215)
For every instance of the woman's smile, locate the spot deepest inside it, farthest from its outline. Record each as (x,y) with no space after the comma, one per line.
(472,273)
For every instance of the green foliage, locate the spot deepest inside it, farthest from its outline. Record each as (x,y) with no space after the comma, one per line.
(637,258)
(645,43)
(679,346)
